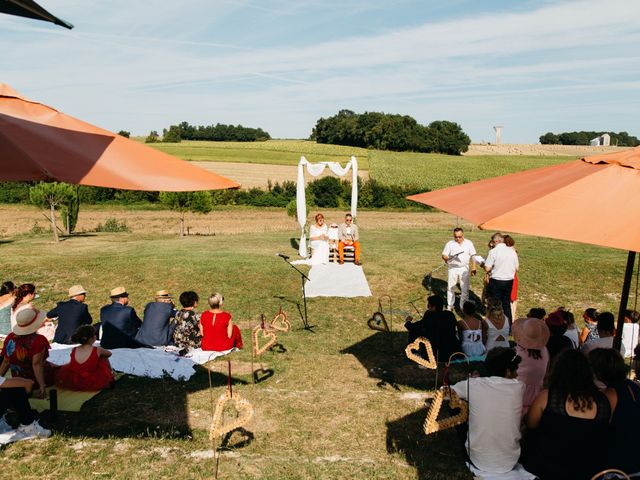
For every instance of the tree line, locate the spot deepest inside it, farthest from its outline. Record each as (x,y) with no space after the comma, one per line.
(216,133)
(621,139)
(385,131)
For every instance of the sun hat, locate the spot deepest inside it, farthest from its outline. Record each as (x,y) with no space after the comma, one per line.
(163,294)
(119,292)
(28,320)
(76,290)
(530,333)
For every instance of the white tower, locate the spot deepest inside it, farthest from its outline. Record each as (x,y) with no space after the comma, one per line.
(498,130)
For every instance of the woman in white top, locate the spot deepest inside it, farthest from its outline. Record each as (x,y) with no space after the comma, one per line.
(496,331)
(319,241)
(630,332)
(470,331)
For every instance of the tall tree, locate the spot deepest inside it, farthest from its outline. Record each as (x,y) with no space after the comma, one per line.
(51,195)
(183,202)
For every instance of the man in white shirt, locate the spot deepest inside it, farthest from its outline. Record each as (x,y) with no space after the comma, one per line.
(495,410)
(457,253)
(502,264)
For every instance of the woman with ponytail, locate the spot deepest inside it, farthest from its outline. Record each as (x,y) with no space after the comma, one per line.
(24,295)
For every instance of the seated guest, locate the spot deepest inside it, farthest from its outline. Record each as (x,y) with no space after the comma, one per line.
(572,330)
(217,329)
(348,235)
(119,321)
(70,314)
(495,411)
(630,332)
(557,342)
(496,326)
(14,394)
(24,295)
(7,296)
(531,336)
(470,331)
(187,331)
(590,330)
(89,369)
(570,414)
(624,395)
(537,312)
(438,326)
(25,351)
(158,321)
(606,330)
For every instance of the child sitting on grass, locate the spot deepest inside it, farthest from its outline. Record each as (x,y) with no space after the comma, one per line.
(89,369)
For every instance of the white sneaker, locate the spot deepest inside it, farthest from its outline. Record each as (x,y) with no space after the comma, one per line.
(34,430)
(4,426)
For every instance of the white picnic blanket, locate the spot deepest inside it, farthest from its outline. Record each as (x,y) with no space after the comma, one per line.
(518,473)
(145,362)
(335,280)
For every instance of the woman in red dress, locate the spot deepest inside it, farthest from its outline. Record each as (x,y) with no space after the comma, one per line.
(89,369)
(217,329)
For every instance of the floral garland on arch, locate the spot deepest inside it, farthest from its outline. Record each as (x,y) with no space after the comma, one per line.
(315,169)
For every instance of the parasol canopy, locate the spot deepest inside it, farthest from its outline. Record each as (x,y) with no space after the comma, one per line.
(37,142)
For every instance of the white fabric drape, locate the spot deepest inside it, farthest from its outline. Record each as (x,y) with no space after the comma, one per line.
(315,169)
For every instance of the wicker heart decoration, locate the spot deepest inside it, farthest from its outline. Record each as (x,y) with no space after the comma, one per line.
(378,322)
(267,334)
(432,425)
(280,322)
(430,361)
(242,406)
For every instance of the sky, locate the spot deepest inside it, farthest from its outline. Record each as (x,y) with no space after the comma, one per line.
(142,65)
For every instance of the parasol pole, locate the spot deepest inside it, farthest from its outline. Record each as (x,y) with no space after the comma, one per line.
(626,287)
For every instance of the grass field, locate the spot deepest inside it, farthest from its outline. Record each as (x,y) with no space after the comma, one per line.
(427,171)
(341,403)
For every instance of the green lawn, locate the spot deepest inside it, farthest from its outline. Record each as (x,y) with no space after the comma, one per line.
(342,402)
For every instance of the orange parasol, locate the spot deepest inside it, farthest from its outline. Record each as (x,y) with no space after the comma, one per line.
(38,142)
(591,200)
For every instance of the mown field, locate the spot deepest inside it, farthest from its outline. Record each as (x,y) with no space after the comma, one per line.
(339,403)
(427,171)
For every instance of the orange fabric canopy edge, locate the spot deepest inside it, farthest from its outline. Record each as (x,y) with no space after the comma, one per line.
(38,142)
(595,200)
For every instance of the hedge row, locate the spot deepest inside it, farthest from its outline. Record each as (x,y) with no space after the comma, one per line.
(328,192)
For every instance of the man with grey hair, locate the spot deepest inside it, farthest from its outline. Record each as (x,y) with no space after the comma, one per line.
(501,264)
(457,254)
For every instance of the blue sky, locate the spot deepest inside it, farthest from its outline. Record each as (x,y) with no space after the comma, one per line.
(141,65)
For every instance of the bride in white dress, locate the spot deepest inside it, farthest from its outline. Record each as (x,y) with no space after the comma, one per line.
(319,241)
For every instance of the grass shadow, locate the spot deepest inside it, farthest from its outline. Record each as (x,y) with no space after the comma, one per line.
(436,456)
(138,407)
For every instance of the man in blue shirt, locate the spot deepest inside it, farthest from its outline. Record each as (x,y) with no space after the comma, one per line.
(159,324)
(120,323)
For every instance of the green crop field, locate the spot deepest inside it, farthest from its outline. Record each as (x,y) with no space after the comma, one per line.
(343,402)
(431,171)
(425,171)
(275,152)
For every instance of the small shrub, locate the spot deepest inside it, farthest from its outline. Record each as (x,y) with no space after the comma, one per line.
(113,225)
(36,229)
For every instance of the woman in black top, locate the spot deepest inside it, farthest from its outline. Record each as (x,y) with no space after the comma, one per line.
(569,414)
(624,395)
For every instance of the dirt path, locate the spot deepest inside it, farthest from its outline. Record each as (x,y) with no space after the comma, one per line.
(257,175)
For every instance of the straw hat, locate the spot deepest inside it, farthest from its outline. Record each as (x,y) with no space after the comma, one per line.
(530,333)
(76,290)
(28,320)
(160,294)
(119,292)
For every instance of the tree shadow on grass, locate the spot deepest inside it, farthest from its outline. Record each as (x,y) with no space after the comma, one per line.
(139,407)
(436,456)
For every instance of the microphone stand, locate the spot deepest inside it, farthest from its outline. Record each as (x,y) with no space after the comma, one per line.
(303,279)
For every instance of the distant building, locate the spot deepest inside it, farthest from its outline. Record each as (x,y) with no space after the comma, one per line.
(603,140)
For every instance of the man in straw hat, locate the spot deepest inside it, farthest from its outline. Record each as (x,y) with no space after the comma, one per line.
(158,325)
(70,314)
(120,323)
